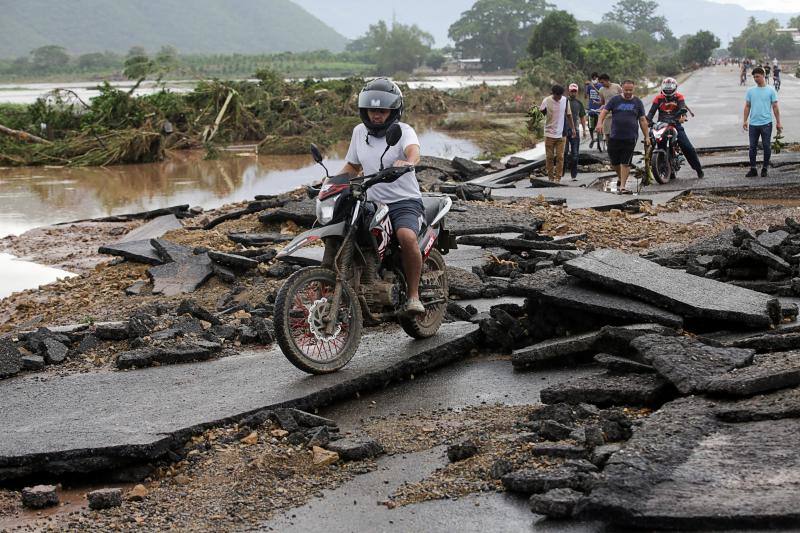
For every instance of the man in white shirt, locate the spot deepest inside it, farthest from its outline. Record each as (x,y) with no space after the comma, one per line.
(380,105)
(556,109)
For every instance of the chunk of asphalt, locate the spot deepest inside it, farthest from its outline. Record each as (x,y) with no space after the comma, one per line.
(136,288)
(285,419)
(762,255)
(311,420)
(259,239)
(469,168)
(564,413)
(39,497)
(769,342)
(622,365)
(556,503)
(617,339)
(53,351)
(140,324)
(552,430)
(10,359)
(555,287)
(32,362)
(675,473)
(302,213)
(192,308)
(197,350)
(137,251)
(319,436)
(688,364)
(232,260)
(104,499)
(111,331)
(566,451)
(539,480)
(461,451)
(356,448)
(169,252)
(224,273)
(769,372)
(676,291)
(609,389)
(182,276)
(776,405)
(772,240)
(601,454)
(493,241)
(558,351)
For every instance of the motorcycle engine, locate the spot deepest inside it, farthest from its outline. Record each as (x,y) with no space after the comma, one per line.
(383,292)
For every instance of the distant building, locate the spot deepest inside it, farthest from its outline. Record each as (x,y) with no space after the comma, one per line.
(471,64)
(794,32)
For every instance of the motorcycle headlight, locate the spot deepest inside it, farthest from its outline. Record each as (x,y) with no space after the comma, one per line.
(324,212)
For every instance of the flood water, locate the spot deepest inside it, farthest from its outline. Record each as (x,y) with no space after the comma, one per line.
(17,275)
(37,196)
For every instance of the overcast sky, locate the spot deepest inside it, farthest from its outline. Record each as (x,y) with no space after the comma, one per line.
(783,6)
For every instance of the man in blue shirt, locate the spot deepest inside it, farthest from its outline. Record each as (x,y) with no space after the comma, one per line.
(627,118)
(760,103)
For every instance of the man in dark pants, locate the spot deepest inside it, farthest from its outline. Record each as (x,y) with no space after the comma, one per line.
(670,104)
(574,141)
(760,104)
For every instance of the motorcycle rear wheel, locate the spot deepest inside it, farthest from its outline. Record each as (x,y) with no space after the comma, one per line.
(434,273)
(300,306)
(660,166)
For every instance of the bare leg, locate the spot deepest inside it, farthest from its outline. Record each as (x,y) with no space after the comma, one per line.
(624,170)
(412,260)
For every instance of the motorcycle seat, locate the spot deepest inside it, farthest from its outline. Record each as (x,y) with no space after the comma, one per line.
(433,204)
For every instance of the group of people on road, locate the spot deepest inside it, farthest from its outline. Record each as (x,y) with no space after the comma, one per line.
(615,117)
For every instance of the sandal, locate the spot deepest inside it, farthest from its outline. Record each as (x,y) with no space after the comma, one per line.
(625,191)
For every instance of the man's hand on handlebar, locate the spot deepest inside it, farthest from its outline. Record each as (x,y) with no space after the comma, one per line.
(402,163)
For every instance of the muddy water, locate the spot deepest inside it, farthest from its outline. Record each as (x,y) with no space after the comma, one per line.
(17,275)
(36,196)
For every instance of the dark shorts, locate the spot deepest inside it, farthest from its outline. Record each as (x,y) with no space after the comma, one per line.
(406,214)
(620,151)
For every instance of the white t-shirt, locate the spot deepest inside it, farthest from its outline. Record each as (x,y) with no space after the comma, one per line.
(556,112)
(369,157)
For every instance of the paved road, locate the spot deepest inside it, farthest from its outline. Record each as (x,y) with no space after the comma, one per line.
(105,416)
(717,99)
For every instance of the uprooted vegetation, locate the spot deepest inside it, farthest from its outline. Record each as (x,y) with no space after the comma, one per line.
(279,116)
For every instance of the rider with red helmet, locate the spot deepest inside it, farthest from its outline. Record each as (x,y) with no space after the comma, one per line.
(671,108)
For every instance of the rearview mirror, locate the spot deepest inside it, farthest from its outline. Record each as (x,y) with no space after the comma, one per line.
(393,134)
(315,153)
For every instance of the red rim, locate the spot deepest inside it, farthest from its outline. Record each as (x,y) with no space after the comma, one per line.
(308,306)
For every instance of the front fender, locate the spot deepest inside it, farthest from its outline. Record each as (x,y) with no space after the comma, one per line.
(312,235)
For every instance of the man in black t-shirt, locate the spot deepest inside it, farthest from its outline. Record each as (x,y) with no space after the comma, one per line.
(627,117)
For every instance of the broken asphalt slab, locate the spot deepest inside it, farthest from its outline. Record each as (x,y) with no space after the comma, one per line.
(686,469)
(118,418)
(770,371)
(587,198)
(154,229)
(687,295)
(606,389)
(180,276)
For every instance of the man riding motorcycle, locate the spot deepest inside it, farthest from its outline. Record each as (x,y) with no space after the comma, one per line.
(380,105)
(671,105)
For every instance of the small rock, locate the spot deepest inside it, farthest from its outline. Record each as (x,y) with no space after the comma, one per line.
(461,451)
(191,307)
(250,439)
(88,343)
(310,420)
(136,288)
(11,360)
(556,503)
(138,493)
(140,325)
(285,419)
(104,499)
(112,331)
(182,479)
(356,448)
(53,351)
(552,430)
(39,497)
(500,468)
(322,457)
(32,362)
(279,433)
(318,437)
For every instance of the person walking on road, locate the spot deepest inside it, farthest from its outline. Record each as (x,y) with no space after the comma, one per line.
(592,94)
(559,115)
(628,113)
(573,144)
(607,92)
(761,102)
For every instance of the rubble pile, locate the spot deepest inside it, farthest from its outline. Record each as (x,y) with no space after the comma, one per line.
(766,261)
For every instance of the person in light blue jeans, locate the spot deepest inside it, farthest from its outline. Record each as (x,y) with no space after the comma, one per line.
(761,102)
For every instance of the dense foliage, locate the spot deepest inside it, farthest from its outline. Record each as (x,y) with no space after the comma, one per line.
(761,39)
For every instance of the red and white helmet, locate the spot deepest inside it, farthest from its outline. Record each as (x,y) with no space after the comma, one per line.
(669,86)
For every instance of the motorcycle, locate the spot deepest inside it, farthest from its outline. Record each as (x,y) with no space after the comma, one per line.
(320,310)
(666,158)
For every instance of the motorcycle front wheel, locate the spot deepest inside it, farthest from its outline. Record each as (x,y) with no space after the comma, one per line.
(301,307)
(433,285)
(660,166)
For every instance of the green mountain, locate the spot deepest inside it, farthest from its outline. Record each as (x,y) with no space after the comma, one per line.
(194,26)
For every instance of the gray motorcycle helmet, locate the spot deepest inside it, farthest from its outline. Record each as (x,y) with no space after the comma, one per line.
(380,93)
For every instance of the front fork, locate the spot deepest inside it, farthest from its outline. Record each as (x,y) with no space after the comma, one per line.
(343,266)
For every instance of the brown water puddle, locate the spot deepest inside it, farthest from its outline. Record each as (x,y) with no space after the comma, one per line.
(36,196)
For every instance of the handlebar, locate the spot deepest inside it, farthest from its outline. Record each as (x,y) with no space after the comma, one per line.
(387,175)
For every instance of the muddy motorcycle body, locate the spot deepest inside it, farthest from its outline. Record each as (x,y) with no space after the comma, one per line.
(666,158)
(320,311)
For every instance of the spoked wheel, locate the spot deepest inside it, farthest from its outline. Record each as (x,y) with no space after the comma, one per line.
(660,166)
(432,287)
(301,307)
